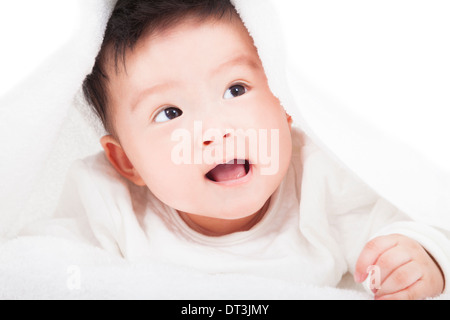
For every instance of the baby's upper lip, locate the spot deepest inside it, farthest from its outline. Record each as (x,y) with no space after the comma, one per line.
(233,160)
(236,161)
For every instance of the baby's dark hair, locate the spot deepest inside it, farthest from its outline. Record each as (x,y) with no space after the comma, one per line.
(131,20)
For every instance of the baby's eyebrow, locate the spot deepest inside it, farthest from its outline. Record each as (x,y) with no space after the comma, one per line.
(149,91)
(244,60)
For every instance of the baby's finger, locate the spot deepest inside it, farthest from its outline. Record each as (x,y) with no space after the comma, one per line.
(400,279)
(414,292)
(370,254)
(392,259)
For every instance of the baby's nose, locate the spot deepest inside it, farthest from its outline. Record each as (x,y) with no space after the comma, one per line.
(208,140)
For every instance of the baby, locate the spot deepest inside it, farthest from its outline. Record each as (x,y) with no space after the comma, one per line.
(218,178)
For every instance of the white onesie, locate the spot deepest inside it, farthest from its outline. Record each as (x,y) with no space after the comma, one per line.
(317,223)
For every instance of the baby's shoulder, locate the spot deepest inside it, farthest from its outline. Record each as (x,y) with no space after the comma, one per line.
(322,170)
(96,174)
(308,153)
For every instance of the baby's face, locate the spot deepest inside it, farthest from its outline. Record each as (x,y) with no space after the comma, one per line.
(191,100)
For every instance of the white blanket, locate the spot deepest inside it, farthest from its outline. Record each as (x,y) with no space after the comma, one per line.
(369,83)
(51,268)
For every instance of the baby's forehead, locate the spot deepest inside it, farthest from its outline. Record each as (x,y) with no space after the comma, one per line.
(187,37)
(117,59)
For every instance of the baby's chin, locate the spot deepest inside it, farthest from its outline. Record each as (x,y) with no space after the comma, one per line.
(241,213)
(233,211)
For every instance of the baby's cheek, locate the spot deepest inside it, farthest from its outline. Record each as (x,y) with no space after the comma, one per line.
(174,185)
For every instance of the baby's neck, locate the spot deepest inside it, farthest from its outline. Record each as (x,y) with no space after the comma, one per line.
(214,227)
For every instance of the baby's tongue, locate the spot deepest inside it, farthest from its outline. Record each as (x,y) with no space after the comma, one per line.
(228,172)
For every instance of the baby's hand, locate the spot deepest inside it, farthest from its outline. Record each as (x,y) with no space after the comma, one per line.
(408,272)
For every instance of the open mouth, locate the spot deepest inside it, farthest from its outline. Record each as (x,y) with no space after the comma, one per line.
(234,170)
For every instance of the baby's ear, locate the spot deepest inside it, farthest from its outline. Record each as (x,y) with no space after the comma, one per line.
(289,120)
(119,160)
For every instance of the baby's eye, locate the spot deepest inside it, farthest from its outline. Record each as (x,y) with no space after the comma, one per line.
(168,114)
(235,91)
